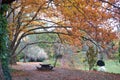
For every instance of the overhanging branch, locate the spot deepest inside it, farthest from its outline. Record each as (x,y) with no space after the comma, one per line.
(33,44)
(45,32)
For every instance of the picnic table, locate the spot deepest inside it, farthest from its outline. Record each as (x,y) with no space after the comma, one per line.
(45,67)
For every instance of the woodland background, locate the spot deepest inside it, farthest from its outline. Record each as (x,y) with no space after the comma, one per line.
(65,33)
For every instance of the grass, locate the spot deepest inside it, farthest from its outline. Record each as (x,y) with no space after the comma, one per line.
(112,66)
(51,61)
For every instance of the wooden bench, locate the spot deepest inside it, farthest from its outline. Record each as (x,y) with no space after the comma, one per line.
(45,67)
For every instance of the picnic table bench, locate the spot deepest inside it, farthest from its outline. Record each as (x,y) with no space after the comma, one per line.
(45,67)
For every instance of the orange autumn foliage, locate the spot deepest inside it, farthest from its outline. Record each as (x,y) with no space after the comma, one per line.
(85,18)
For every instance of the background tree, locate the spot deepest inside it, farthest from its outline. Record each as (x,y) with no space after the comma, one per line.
(31,50)
(93,26)
(29,17)
(71,16)
(91,57)
(28,22)
(67,17)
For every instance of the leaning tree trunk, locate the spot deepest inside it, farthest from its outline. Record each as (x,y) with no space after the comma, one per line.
(4,56)
(13,60)
(4,70)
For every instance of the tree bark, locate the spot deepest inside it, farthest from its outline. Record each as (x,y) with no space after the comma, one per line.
(1,72)
(24,58)
(55,62)
(13,60)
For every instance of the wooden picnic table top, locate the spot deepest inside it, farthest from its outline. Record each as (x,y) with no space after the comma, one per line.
(45,64)
(45,67)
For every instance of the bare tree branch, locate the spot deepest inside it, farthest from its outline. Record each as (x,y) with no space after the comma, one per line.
(45,32)
(12,9)
(40,7)
(32,44)
(49,27)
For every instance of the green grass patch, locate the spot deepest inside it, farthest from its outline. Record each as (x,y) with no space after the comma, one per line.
(52,61)
(112,66)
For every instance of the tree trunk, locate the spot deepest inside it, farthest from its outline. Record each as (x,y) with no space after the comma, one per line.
(13,60)
(4,58)
(24,58)
(55,62)
(1,72)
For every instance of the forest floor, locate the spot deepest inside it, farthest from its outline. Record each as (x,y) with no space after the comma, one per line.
(28,71)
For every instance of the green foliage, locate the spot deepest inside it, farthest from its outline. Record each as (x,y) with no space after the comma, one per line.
(117,57)
(3,9)
(40,59)
(78,60)
(48,47)
(59,56)
(52,62)
(47,38)
(117,54)
(3,42)
(20,56)
(95,68)
(91,57)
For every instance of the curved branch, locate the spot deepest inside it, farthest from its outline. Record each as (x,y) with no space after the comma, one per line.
(12,10)
(40,7)
(32,44)
(45,32)
(42,27)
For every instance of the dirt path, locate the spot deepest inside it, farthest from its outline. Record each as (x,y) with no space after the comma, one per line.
(26,66)
(30,73)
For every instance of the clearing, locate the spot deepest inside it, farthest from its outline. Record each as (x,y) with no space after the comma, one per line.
(27,71)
